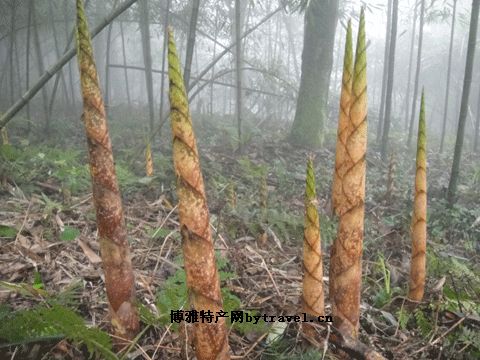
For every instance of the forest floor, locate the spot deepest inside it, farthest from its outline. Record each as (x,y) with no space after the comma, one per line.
(48,247)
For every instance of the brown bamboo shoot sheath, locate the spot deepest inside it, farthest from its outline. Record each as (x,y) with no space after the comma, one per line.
(343,160)
(203,282)
(419,218)
(114,248)
(346,254)
(313,299)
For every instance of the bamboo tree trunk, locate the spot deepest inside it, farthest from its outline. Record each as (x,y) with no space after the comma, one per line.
(419,217)
(57,51)
(60,73)
(292,47)
(41,70)
(238,72)
(391,72)
(476,141)
(449,70)
(410,63)
(337,63)
(17,67)
(202,277)
(381,112)
(112,234)
(192,31)
(147,59)
(417,73)
(346,253)
(231,46)
(11,52)
(125,70)
(107,68)
(27,63)
(214,54)
(100,42)
(467,82)
(67,41)
(164,52)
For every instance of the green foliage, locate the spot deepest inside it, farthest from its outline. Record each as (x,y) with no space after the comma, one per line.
(286,349)
(37,163)
(37,281)
(403,316)
(328,229)
(424,324)
(7,231)
(69,234)
(470,338)
(252,170)
(384,295)
(173,296)
(66,167)
(8,152)
(40,323)
(453,222)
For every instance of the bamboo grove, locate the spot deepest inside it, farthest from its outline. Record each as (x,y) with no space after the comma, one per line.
(202,278)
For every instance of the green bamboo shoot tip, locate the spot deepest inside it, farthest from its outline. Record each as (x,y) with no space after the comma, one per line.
(310,193)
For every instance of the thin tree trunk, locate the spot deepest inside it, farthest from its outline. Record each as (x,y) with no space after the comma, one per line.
(391,72)
(147,59)
(207,82)
(238,72)
(410,63)
(30,93)
(99,44)
(198,78)
(381,112)
(107,69)
(164,52)
(192,30)
(449,70)
(467,82)
(60,73)
(125,71)
(13,8)
(214,54)
(41,70)
(231,46)
(292,47)
(476,141)
(417,74)
(27,63)
(68,40)
(338,65)
(17,67)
